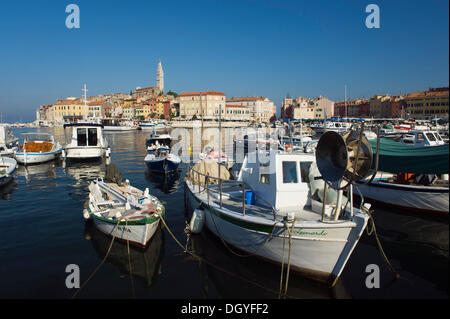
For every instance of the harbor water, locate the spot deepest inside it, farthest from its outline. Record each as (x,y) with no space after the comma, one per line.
(43,231)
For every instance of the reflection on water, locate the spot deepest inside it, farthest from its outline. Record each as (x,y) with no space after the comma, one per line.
(145,264)
(39,172)
(231,276)
(166,183)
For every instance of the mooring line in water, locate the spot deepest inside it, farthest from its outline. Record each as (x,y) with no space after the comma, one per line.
(184,248)
(374,231)
(129,262)
(104,259)
(289,261)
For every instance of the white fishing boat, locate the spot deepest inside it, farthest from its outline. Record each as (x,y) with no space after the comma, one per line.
(87,142)
(338,127)
(9,144)
(7,167)
(419,138)
(38,148)
(124,212)
(273,210)
(152,126)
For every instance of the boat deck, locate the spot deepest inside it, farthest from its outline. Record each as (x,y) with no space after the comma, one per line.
(232,199)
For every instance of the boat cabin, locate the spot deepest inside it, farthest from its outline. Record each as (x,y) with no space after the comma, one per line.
(159,140)
(86,134)
(279,179)
(422,138)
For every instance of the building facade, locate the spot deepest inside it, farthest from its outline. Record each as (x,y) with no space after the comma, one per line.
(198,104)
(262,109)
(428,104)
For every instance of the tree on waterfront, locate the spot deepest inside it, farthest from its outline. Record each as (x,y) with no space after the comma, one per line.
(174,94)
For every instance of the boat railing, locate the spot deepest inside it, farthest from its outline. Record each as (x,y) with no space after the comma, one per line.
(229,184)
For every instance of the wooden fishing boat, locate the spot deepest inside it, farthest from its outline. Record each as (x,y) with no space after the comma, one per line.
(38,148)
(124,212)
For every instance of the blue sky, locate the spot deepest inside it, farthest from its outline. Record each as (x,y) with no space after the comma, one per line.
(242,48)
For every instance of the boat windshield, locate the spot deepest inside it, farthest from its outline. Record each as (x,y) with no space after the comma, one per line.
(38,137)
(431,137)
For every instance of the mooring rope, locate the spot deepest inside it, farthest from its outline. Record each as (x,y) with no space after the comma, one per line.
(290,231)
(129,261)
(374,231)
(103,261)
(192,254)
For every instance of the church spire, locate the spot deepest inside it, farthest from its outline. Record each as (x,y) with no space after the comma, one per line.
(160,77)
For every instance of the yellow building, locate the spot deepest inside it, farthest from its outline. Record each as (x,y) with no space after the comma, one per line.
(377,103)
(428,104)
(68,109)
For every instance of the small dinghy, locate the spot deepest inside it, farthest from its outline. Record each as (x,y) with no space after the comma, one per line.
(38,148)
(162,161)
(123,211)
(7,167)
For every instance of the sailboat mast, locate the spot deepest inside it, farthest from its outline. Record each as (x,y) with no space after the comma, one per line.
(346,114)
(85,102)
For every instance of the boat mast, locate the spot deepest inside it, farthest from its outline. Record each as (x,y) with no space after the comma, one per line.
(85,102)
(345,103)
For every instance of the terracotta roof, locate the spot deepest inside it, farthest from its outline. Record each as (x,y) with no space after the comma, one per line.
(97,102)
(202,93)
(427,93)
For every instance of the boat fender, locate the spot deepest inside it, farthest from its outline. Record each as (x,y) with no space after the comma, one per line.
(197,221)
(86,214)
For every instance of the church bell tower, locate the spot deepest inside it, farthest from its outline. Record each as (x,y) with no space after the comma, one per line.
(160,78)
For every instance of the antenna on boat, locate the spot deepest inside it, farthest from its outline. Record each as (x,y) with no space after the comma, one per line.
(85,101)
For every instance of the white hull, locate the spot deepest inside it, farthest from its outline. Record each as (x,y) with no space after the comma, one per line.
(412,197)
(319,250)
(85,152)
(36,158)
(152,127)
(135,234)
(7,168)
(118,128)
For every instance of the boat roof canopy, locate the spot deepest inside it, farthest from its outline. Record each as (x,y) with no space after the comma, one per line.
(83,124)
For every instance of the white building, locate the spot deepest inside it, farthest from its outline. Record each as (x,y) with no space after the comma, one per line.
(202,103)
(262,109)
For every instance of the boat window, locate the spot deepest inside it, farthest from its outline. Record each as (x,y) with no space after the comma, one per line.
(92,137)
(81,137)
(263,177)
(420,137)
(304,171)
(290,172)
(431,137)
(438,137)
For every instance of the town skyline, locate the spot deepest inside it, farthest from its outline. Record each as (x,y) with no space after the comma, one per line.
(252,49)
